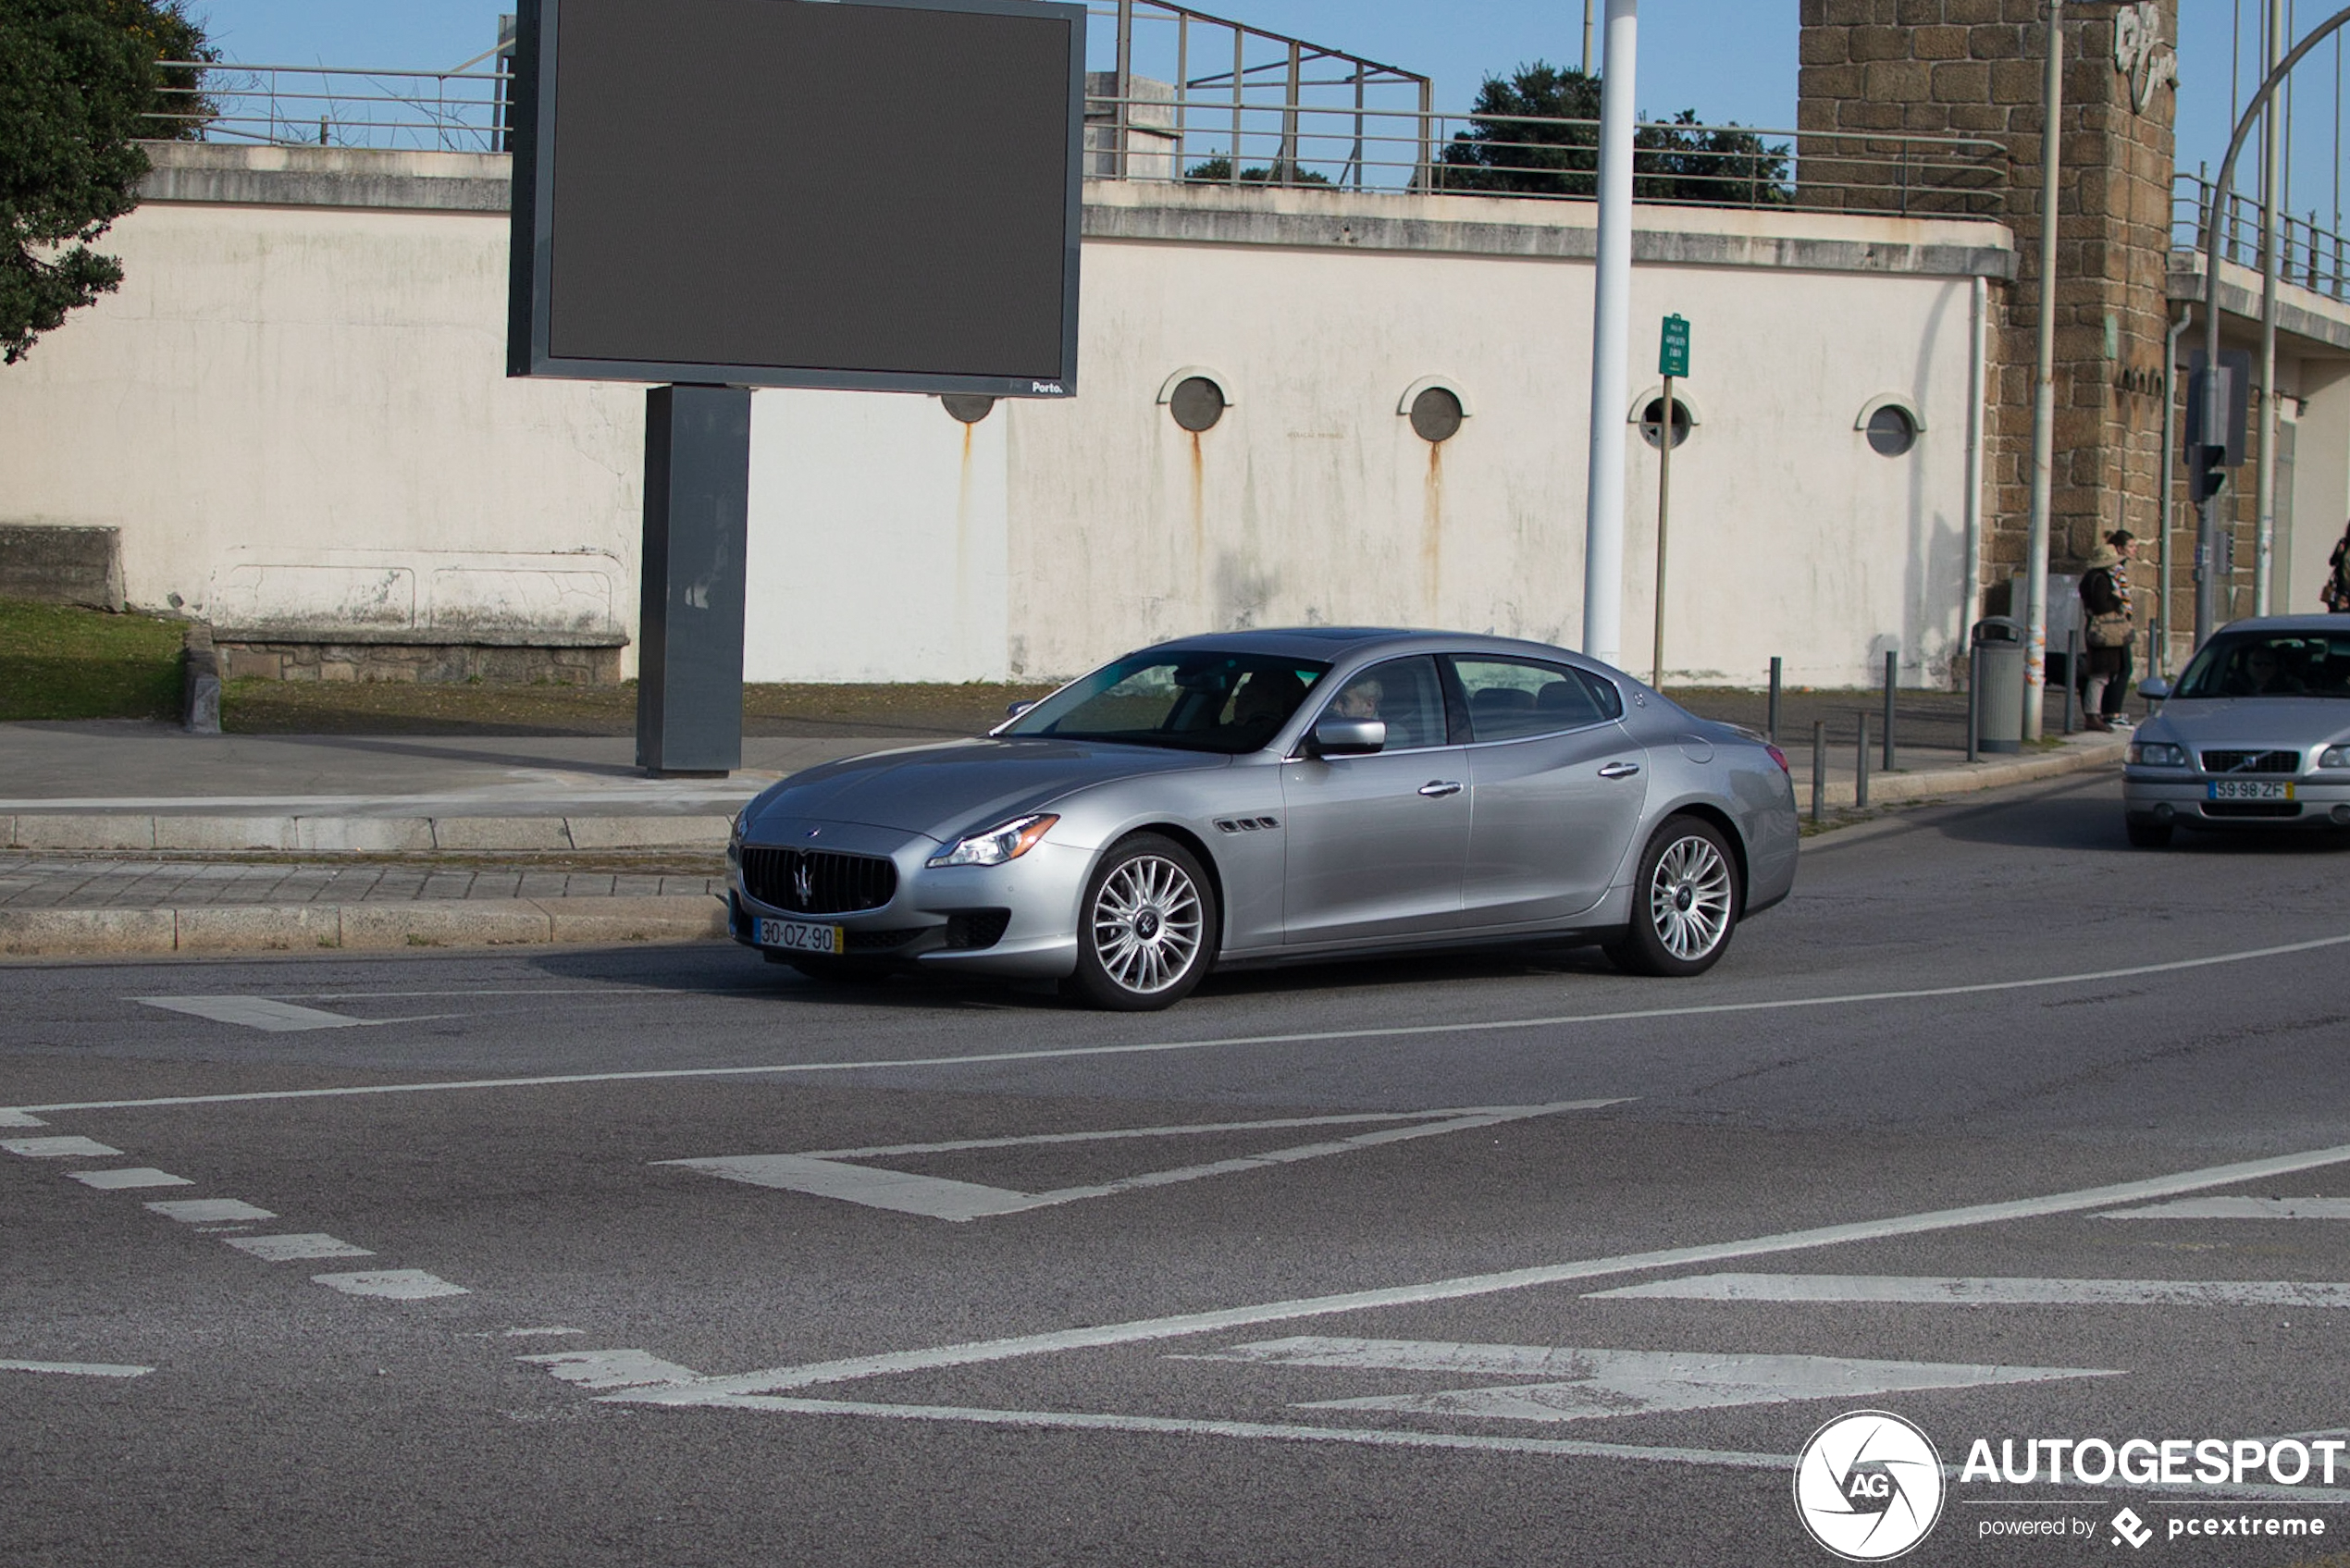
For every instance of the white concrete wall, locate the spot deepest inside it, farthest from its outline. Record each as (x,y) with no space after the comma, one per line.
(2320,498)
(299,413)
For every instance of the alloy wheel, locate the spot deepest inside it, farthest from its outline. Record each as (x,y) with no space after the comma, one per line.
(1689,898)
(1147,922)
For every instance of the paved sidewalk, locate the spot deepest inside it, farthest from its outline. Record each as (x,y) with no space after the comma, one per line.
(48,882)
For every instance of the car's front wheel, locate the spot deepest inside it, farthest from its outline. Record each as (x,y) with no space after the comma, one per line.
(1684,902)
(1146,929)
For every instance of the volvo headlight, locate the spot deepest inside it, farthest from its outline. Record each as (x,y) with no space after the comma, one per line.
(1004,841)
(2334,757)
(2158,754)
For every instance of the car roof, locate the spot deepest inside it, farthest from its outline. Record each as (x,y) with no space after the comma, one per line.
(1336,643)
(2319,623)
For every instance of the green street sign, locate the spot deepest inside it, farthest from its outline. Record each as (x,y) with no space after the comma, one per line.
(1672,357)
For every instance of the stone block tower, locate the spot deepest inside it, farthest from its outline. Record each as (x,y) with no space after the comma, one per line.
(1874,71)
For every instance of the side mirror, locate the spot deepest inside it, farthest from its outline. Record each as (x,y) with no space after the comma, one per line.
(1347,737)
(2154,688)
(1017,708)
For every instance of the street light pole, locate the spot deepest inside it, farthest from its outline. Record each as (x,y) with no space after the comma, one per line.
(2264,484)
(1611,343)
(2035,558)
(1586,37)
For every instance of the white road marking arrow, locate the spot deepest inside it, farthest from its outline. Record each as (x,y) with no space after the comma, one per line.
(1582,1385)
(828,1174)
(255,1012)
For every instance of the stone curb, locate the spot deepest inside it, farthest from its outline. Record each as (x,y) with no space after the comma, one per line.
(70,832)
(2081,753)
(301,928)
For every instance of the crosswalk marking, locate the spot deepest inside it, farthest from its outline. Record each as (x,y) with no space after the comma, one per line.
(827,1176)
(1940,1290)
(392,1284)
(288,1249)
(2238,1208)
(134,1176)
(76,1368)
(20,1118)
(1583,1384)
(59,1148)
(613,1369)
(255,1012)
(209,1211)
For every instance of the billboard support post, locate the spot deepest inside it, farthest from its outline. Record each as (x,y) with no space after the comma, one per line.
(689,651)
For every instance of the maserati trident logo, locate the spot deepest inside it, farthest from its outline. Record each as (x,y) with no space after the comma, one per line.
(1868,1486)
(803,885)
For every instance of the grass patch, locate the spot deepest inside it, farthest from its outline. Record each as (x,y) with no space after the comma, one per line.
(61,661)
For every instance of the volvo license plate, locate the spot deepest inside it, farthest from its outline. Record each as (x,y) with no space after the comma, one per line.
(800,936)
(2250,790)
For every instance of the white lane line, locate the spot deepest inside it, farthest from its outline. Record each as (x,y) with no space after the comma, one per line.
(392,1284)
(1582,1385)
(288,1249)
(209,1211)
(2240,1208)
(1395,1031)
(76,1368)
(256,1012)
(135,1176)
(1929,1291)
(612,1369)
(1180,1324)
(882,1151)
(1368,1437)
(17,1119)
(940,1198)
(549,1333)
(57,1148)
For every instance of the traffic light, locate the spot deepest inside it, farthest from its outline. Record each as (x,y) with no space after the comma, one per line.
(2207,471)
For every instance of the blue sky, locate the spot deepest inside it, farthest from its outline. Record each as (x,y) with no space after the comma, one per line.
(1728,59)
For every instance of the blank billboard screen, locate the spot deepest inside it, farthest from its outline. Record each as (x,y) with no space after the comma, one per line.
(799,192)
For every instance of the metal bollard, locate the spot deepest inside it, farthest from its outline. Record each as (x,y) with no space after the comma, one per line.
(1772,725)
(1860,766)
(1974,705)
(1892,674)
(1819,769)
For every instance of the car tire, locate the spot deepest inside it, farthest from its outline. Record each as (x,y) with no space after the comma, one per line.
(2150,835)
(1146,928)
(1686,901)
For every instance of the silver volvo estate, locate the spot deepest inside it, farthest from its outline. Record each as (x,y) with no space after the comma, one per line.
(2255,734)
(1267,797)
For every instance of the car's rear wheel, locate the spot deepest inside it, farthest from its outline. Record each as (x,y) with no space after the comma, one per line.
(1146,928)
(2150,835)
(1684,902)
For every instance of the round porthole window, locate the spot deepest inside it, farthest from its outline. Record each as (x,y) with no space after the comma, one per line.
(1652,422)
(1196,403)
(1891,430)
(968,407)
(1435,415)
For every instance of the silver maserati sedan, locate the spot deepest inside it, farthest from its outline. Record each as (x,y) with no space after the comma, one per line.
(1268,797)
(2255,734)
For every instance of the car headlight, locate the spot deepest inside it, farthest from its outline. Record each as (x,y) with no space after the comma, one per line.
(735,846)
(2156,754)
(2334,757)
(1004,841)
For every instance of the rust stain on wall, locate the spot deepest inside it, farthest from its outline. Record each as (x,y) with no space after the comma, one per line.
(1432,531)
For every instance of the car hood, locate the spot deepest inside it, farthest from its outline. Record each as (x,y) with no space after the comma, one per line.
(945,791)
(2302,722)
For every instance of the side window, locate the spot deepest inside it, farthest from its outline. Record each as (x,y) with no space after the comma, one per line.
(1509,698)
(1404,694)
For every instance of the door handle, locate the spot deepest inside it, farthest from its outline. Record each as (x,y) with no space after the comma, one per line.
(1619,770)
(1436,789)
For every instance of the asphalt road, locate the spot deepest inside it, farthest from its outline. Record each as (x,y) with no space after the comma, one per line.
(1344,1289)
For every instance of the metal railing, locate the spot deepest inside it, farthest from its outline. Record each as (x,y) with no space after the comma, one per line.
(1158,135)
(463,111)
(2310,257)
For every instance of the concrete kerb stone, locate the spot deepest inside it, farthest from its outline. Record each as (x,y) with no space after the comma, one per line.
(2080,754)
(70,832)
(528,834)
(650,833)
(455,923)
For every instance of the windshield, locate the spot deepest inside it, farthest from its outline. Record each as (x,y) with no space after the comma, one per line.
(2270,664)
(1223,702)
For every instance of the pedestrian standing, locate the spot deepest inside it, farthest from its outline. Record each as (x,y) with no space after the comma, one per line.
(2336,593)
(2110,628)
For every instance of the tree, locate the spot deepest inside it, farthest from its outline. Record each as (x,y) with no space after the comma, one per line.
(1218,170)
(1537,134)
(81,82)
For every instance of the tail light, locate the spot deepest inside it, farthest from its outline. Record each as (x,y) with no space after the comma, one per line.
(1780,758)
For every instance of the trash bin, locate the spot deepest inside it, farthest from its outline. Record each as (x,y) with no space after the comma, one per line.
(1998,682)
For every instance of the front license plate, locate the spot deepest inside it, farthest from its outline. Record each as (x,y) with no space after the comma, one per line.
(799,936)
(2248,789)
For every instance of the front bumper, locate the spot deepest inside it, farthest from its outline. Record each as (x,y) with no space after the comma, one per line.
(1017,920)
(2177,797)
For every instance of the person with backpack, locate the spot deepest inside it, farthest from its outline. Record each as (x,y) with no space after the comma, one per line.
(2108,629)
